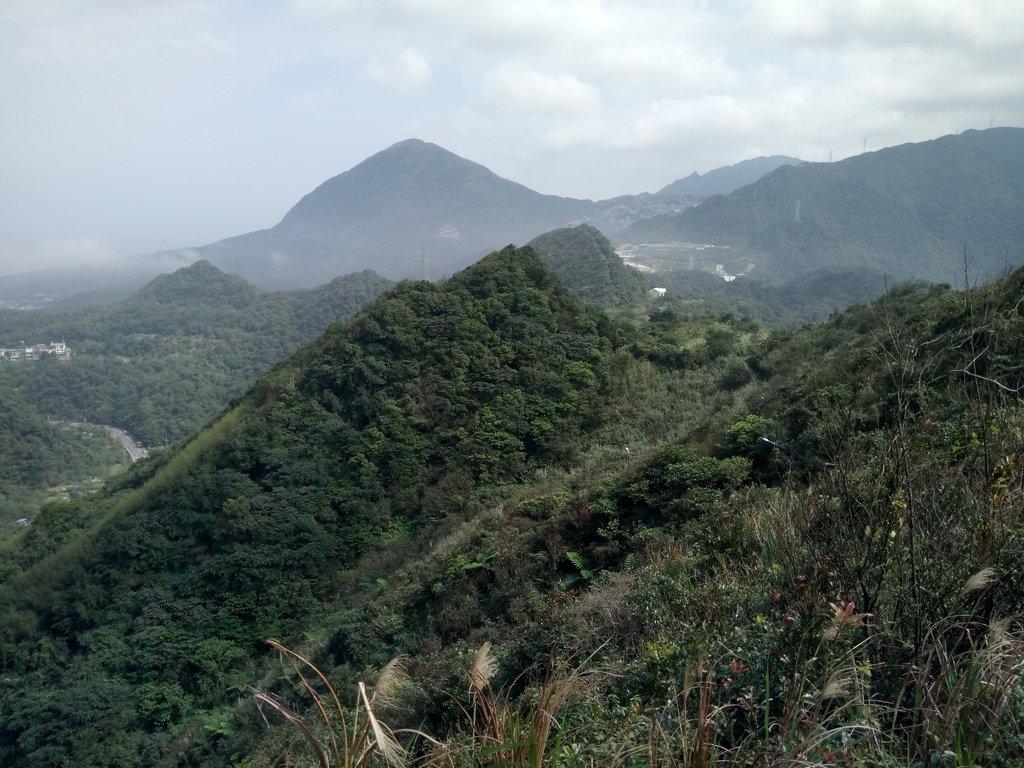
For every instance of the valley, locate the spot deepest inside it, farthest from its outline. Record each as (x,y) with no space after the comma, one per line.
(671,257)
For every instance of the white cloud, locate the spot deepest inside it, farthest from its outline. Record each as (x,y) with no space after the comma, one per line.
(154,111)
(515,86)
(405,70)
(65,251)
(972,24)
(103,39)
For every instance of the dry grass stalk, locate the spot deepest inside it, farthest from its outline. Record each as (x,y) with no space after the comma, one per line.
(394,675)
(297,722)
(978,581)
(964,693)
(483,670)
(358,743)
(504,734)
(384,741)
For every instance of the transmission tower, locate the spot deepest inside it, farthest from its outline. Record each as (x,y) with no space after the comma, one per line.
(425,264)
(796,213)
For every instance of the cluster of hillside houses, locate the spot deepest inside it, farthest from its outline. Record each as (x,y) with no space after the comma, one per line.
(57,349)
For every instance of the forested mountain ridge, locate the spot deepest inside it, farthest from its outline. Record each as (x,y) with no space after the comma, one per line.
(159,364)
(909,211)
(200,282)
(683,542)
(385,423)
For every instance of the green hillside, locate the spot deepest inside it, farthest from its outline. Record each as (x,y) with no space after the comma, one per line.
(684,542)
(587,265)
(908,211)
(811,297)
(159,364)
(168,358)
(39,459)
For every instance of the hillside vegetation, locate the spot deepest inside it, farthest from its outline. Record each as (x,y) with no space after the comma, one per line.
(586,264)
(39,458)
(683,542)
(168,358)
(159,364)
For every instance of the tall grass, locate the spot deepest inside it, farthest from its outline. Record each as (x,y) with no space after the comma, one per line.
(496,731)
(349,737)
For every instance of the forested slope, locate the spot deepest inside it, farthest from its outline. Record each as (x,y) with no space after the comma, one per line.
(387,423)
(36,455)
(908,211)
(586,263)
(687,542)
(168,358)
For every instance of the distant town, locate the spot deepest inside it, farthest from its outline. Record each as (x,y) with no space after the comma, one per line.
(57,349)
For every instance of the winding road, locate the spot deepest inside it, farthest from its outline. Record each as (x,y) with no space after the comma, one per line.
(135,450)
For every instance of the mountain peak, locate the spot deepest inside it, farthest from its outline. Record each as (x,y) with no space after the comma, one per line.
(728,178)
(412,207)
(586,263)
(391,178)
(200,281)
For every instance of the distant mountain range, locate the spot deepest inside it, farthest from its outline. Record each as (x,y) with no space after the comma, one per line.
(416,209)
(413,210)
(910,211)
(722,181)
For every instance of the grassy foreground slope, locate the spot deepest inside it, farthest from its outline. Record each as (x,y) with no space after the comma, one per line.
(688,543)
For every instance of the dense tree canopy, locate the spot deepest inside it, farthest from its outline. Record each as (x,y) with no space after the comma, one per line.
(764,547)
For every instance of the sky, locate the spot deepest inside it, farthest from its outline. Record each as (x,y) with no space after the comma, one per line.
(130,126)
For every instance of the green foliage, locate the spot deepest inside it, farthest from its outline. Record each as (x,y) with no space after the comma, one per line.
(164,361)
(808,297)
(160,364)
(40,459)
(489,461)
(238,534)
(678,481)
(587,265)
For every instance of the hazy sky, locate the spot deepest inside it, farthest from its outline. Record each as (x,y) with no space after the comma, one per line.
(134,125)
